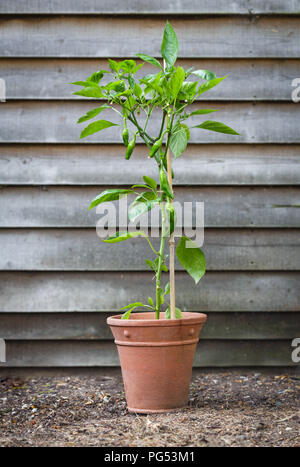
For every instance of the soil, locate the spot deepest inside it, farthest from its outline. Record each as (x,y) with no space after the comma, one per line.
(224,410)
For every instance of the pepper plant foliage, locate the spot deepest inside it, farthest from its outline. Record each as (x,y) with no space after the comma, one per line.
(172,90)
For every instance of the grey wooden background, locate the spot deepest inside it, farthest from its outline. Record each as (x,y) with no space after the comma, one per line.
(58,282)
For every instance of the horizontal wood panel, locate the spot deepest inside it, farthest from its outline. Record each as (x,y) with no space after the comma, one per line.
(96,291)
(255,79)
(155,7)
(200,165)
(90,326)
(223,206)
(209,353)
(260,37)
(82,250)
(55,122)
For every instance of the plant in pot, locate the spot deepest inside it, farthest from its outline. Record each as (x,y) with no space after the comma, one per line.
(156,347)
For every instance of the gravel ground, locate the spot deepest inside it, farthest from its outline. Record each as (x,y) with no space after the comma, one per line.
(225,410)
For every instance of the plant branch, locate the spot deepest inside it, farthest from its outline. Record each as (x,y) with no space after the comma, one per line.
(148,116)
(150,244)
(141,132)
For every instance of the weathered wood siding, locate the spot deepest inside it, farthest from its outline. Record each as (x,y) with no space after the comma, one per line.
(58,282)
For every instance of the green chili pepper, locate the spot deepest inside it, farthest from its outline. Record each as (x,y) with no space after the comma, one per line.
(125,136)
(164,184)
(130,147)
(172,216)
(156,147)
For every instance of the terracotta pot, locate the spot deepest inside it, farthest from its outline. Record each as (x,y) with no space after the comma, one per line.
(156,359)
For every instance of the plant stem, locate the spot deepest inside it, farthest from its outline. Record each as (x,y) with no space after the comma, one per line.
(141,132)
(148,116)
(172,239)
(160,262)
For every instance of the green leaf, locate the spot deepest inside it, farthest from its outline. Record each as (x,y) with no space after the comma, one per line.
(123,235)
(204,74)
(152,81)
(80,83)
(114,66)
(87,83)
(126,315)
(178,313)
(92,113)
(150,264)
(117,86)
(142,203)
(96,77)
(109,195)
(202,112)
(175,82)
(136,68)
(187,130)
(151,77)
(95,127)
(150,182)
(126,93)
(209,84)
(188,72)
(127,65)
(132,305)
(216,126)
(90,91)
(178,141)
(149,59)
(167,289)
(169,46)
(192,259)
(150,301)
(131,82)
(188,90)
(137,90)
(141,186)
(129,103)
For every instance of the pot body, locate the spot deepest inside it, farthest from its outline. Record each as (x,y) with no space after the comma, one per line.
(156,359)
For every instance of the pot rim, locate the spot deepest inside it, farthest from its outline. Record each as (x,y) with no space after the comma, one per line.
(188,318)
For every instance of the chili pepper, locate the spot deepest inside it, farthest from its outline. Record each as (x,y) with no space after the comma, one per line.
(125,136)
(172,216)
(164,184)
(156,147)
(130,147)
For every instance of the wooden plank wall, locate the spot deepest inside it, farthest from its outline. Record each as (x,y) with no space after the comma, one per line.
(58,282)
